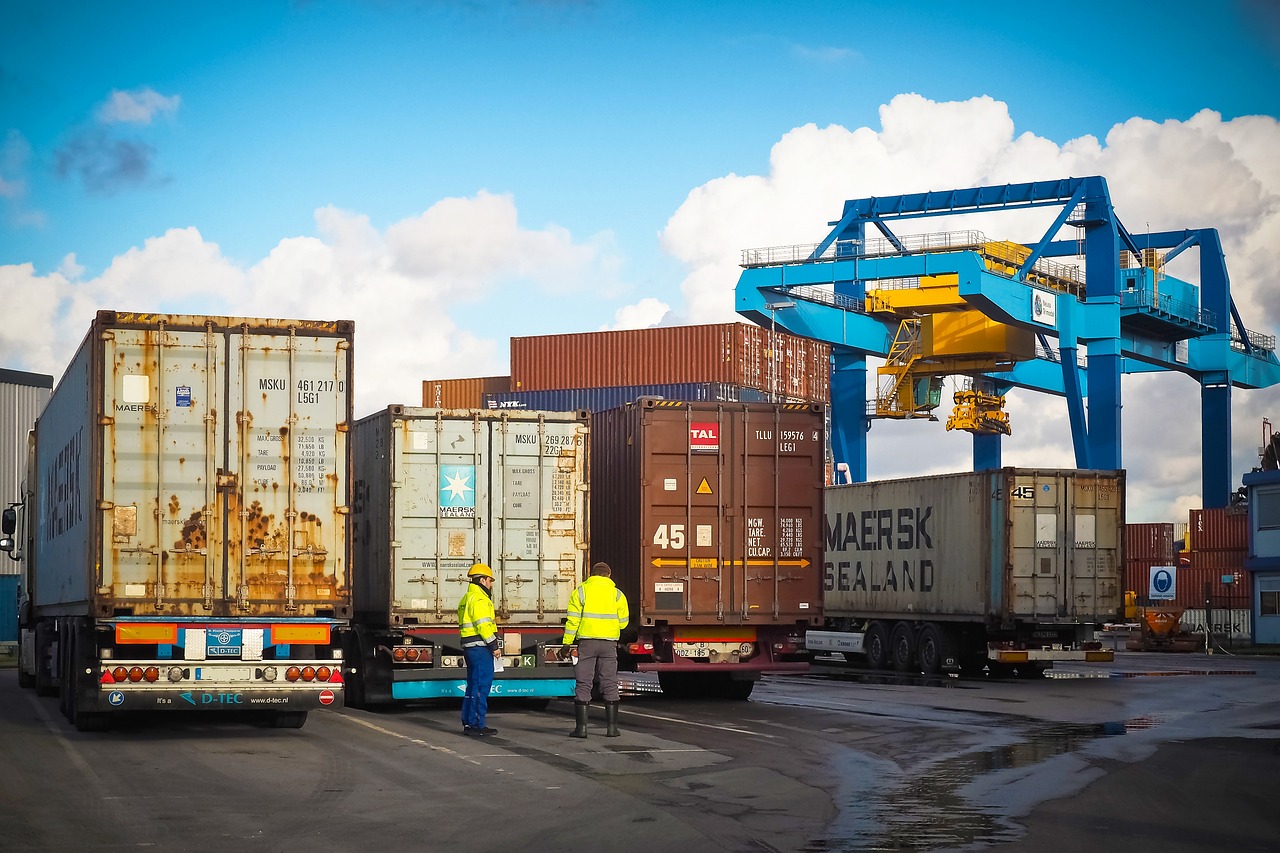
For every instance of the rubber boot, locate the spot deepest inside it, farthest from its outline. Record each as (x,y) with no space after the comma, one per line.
(579,719)
(611,719)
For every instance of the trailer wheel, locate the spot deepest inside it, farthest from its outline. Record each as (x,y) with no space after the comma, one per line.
(679,685)
(902,647)
(876,646)
(930,650)
(44,682)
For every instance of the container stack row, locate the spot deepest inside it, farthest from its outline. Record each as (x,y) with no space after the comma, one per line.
(595,371)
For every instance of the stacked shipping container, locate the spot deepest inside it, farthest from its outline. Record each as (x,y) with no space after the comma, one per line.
(782,365)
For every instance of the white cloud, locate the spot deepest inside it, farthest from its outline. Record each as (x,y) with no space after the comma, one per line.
(400,287)
(1202,172)
(643,314)
(138,106)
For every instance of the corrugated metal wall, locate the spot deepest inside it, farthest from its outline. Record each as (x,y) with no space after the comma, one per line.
(733,353)
(22,398)
(461,393)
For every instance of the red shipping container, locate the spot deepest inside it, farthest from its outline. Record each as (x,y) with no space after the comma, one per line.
(1149,542)
(1237,595)
(462,393)
(792,367)
(1214,559)
(1218,529)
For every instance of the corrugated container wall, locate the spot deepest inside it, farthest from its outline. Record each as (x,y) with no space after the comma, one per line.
(22,398)
(711,514)
(461,393)
(1219,529)
(732,353)
(439,490)
(1150,542)
(197,466)
(1008,544)
(599,399)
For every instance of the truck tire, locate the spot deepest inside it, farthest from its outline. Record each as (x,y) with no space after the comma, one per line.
(678,685)
(930,650)
(902,647)
(44,681)
(875,644)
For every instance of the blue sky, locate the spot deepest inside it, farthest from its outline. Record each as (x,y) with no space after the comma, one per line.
(454,174)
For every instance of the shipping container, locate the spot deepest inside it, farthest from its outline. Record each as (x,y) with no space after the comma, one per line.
(1227,586)
(599,399)
(1218,529)
(462,393)
(438,491)
(778,363)
(1231,625)
(186,519)
(1150,542)
(958,571)
(8,610)
(710,516)
(22,398)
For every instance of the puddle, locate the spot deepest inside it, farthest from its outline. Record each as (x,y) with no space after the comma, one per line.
(883,808)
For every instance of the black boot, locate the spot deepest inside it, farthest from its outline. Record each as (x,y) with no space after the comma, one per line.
(580,720)
(611,719)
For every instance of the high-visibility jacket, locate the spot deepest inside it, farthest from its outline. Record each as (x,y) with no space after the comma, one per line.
(476,621)
(597,611)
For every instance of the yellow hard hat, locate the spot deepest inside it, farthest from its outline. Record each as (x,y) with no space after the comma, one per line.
(480,570)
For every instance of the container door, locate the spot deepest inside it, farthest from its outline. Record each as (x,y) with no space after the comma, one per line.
(688,535)
(1037,527)
(1097,525)
(161,433)
(281,483)
(780,504)
(441,479)
(538,493)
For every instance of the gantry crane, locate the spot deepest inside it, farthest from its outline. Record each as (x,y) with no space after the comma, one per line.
(959,304)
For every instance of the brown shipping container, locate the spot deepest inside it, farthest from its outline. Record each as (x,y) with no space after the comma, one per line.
(1191,582)
(1149,542)
(711,517)
(462,393)
(1214,559)
(1218,529)
(792,367)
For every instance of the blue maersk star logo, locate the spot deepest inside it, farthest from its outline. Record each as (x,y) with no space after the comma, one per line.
(457,491)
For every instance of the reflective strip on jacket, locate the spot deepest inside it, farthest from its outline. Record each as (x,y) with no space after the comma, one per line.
(597,611)
(476,621)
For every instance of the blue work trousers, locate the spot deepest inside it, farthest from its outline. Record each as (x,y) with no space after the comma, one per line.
(475,702)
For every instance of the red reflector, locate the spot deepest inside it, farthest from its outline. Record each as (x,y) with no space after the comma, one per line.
(106,677)
(336,678)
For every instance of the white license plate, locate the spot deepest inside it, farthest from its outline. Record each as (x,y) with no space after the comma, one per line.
(224,673)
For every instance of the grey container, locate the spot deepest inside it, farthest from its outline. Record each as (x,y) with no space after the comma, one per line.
(22,398)
(998,546)
(196,466)
(438,490)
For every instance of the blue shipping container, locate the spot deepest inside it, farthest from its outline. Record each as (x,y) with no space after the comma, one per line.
(600,399)
(8,608)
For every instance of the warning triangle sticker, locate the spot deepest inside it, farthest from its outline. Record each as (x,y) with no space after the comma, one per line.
(704,488)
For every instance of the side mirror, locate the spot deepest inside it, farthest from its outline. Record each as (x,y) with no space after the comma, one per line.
(8,524)
(6,544)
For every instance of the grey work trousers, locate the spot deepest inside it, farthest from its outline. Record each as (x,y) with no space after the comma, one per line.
(596,659)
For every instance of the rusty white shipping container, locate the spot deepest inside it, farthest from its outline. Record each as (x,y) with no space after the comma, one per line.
(438,491)
(778,363)
(190,478)
(710,516)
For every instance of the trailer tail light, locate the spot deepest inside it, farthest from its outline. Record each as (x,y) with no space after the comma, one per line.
(151,674)
(788,647)
(135,674)
(293,673)
(413,654)
(400,654)
(323,673)
(642,648)
(119,674)
(308,673)
(176,673)
(270,673)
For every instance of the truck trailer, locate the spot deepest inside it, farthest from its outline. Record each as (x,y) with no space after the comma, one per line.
(437,491)
(183,526)
(710,516)
(1006,568)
